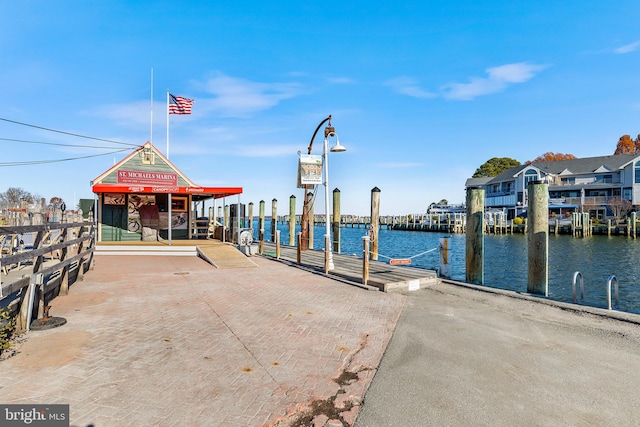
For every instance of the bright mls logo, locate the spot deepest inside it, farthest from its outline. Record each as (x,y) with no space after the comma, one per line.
(34,415)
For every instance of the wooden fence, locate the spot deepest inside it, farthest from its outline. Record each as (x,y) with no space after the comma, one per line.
(60,255)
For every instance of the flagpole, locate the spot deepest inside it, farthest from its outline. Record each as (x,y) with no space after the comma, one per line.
(151,108)
(167,123)
(169,195)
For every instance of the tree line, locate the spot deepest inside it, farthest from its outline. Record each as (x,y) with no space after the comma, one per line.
(14,196)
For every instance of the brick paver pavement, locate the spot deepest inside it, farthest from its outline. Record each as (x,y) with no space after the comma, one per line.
(173,341)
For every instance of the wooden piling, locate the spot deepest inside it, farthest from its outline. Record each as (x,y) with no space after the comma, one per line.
(274,219)
(251,218)
(335,224)
(474,250)
(538,238)
(261,227)
(375,221)
(445,258)
(365,259)
(292,219)
(311,221)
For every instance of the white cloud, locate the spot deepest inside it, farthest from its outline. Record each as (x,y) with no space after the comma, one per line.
(408,86)
(499,78)
(236,97)
(399,165)
(628,48)
(340,80)
(135,115)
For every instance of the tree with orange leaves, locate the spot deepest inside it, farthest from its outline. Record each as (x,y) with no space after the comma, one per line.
(626,145)
(552,157)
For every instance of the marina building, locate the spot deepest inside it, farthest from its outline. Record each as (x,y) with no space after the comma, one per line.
(146,197)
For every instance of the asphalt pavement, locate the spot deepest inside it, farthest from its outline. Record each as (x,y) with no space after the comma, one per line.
(463,357)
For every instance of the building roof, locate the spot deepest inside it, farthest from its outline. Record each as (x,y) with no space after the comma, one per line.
(507,175)
(477,182)
(134,174)
(587,165)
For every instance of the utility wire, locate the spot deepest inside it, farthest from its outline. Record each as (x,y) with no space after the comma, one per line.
(40,162)
(54,143)
(69,133)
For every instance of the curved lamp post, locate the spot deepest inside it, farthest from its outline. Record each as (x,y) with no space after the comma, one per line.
(329,132)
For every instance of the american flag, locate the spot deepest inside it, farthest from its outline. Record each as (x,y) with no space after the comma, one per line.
(179,105)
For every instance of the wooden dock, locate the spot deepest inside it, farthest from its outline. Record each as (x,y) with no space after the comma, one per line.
(382,276)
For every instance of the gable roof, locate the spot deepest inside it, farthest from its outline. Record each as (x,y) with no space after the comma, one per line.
(509,174)
(135,175)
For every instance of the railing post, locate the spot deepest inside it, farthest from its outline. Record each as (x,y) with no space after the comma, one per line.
(277,238)
(299,248)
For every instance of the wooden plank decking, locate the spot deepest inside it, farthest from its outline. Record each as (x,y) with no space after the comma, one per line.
(382,276)
(215,252)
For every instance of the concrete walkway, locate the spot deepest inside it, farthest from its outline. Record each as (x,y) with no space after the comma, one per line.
(173,341)
(463,357)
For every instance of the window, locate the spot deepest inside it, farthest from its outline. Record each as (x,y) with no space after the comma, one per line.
(637,173)
(529,176)
(568,181)
(607,179)
(147,157)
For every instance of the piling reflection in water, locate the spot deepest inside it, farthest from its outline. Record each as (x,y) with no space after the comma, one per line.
(597,257)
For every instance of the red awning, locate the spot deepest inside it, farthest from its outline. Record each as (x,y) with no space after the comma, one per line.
(197,192)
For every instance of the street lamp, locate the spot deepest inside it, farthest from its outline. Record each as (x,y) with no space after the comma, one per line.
(328,254)
(329,131)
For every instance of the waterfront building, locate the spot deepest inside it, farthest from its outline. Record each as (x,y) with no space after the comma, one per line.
(146,191)
(592,184)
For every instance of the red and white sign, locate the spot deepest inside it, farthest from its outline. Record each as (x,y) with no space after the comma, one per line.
(400,261)
(147,178)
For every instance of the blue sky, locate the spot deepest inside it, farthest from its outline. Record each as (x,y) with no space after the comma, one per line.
(421,92)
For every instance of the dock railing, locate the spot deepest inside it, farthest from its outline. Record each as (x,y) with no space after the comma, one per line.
(60,254)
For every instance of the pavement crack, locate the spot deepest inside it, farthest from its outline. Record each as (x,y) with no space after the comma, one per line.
(318,412)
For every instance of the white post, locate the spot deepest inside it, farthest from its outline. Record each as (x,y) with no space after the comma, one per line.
(167,123)
(327,236)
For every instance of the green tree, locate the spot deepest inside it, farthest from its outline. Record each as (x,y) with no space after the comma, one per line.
(495,166)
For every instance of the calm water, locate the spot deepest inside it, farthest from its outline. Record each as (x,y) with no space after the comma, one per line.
(596,257)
